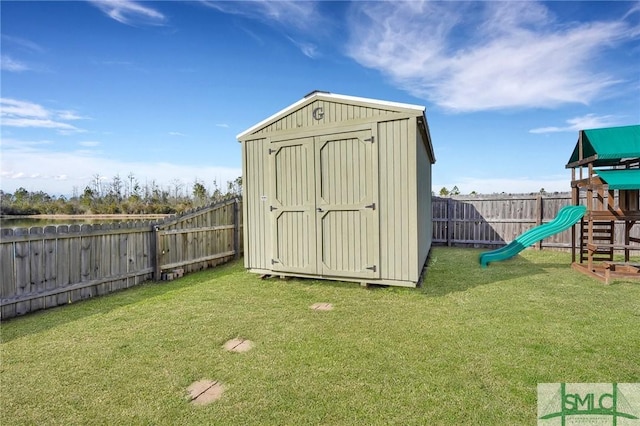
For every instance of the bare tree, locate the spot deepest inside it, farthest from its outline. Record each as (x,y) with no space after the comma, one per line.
(177,186)
(96,181)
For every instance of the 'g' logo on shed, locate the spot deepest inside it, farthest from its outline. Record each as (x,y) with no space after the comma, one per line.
(318,113)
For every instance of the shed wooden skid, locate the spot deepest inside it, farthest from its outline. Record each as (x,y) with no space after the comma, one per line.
(605,166)
(339,187)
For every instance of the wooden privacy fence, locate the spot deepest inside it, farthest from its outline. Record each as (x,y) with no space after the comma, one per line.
(493,220)
(55,265)
(199,239)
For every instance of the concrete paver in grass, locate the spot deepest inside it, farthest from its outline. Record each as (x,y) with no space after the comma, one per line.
(238,345)
(321,306)
(205,391)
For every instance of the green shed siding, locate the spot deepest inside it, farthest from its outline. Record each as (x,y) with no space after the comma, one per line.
(398,190)
(291,200)
(332,112)
(346,182)
(345,195)
(425,213)
(257,230)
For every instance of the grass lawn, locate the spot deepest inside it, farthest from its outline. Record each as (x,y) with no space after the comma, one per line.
(469,347)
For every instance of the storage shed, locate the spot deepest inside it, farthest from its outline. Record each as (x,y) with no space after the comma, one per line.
(339,187)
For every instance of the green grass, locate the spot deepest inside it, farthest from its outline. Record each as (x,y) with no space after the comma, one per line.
(469,347)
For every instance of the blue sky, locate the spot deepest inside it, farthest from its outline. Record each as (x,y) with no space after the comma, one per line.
(161,89)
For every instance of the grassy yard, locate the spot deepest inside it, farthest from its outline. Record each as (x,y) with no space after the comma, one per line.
(468,347)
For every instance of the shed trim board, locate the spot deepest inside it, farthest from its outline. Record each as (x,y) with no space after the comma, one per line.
(329,128)
(339,197)
(381,281)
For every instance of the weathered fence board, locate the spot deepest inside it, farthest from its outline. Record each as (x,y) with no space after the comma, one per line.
(63,268)
(22,272)
(55,265)
(8,285)
(50,255)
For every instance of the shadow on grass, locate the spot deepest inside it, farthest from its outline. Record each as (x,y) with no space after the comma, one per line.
(311,282)
(450,270)
(453,270)
(43,320)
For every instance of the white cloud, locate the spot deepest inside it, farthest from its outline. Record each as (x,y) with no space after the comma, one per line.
(291,13)
(309,50)
(25,114)
(24,146)
(35,166)
(69,115)
(223,125)
(36,122)
(22,43)
(89,144)
(7,63)
(130,12)
(589,121)
(514,54)
(16,108)
(176,134)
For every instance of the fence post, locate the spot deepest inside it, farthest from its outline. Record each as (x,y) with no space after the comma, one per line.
(539,215)
(449,221)
(155,252)
(236,229)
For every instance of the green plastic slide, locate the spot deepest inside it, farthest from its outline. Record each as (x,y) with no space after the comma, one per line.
(567,216)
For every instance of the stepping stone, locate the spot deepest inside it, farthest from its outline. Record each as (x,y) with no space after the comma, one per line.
(238,345)
(321,306)
(205,392)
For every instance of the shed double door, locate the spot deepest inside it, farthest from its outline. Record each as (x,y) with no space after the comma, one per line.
(323,208)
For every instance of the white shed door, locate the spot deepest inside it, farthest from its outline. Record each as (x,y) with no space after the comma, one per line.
(346,211)
(292,206)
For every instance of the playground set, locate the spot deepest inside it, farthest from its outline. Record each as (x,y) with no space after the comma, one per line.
(605,178)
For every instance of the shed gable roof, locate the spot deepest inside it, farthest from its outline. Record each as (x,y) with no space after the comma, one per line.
(607,146)
(319,108)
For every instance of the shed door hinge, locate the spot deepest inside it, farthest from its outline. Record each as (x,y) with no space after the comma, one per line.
(271,208)
(371,139)
(274,261)
(371,268)
(371,206)
(271,151)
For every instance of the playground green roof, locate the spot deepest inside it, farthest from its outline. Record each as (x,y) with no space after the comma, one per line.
(621,179)
(607,146)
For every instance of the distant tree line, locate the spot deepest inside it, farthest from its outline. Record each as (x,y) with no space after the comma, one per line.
(444,192)
(120,196)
